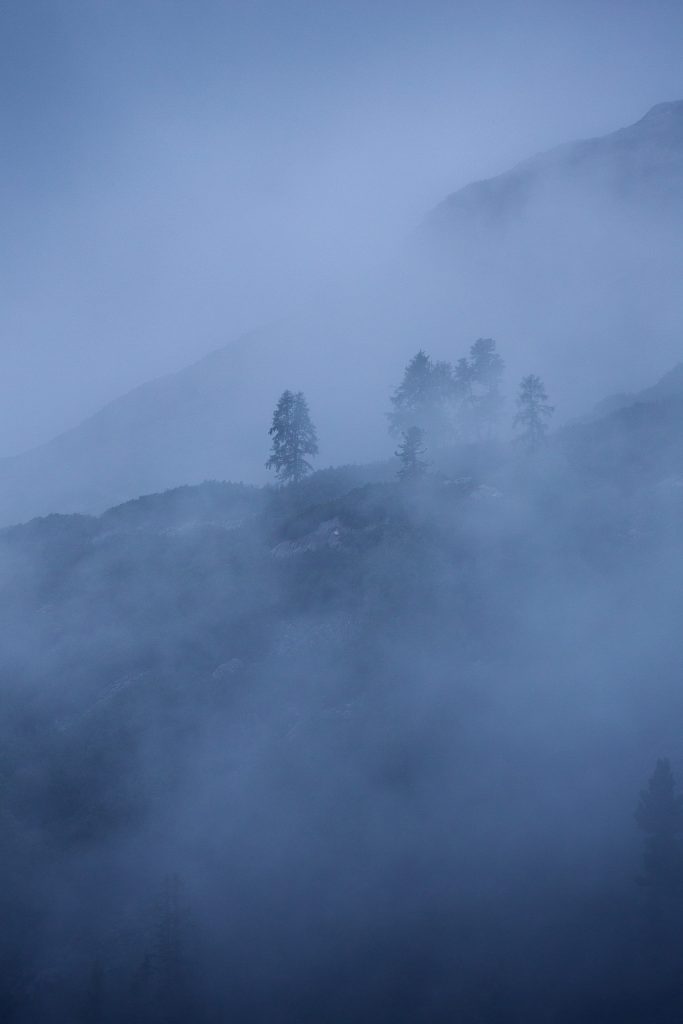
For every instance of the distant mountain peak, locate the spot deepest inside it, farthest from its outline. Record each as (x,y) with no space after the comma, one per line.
(640,163)
(674,108)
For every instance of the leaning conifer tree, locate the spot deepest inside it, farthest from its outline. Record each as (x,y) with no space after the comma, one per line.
(294,438)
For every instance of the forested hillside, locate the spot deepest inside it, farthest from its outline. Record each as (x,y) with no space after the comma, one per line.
(363,747)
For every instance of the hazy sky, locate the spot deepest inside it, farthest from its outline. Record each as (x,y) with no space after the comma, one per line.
(174,172)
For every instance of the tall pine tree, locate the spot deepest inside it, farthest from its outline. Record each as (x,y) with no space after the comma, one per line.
(294,437)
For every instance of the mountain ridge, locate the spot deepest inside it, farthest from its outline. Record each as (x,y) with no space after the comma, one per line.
(505,189)
(581,243)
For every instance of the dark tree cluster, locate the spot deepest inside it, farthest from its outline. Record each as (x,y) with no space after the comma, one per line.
(660,816)
(436,405)
(450,403)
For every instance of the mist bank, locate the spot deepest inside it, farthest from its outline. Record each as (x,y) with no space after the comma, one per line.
(570,261)
(355,748)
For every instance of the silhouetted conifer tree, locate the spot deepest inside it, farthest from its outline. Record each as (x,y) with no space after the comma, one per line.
(660,816)
(410,453)
(423,399)
(485,376)
(462,379)
(533,413)
(294,438)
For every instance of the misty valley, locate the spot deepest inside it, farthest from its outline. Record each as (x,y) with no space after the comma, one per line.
(387,741)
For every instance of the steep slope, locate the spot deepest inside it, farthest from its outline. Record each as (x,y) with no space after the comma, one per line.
(172,430)
(571,260)
(575,257)
(209,421)
(642,163)
(306,704)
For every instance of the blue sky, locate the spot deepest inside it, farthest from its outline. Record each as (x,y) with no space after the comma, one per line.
(174,172)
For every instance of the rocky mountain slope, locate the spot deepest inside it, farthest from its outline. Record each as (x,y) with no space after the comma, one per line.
(305,704)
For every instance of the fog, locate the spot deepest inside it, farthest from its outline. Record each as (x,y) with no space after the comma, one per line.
(387,729)
(171,180)
(350,748)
